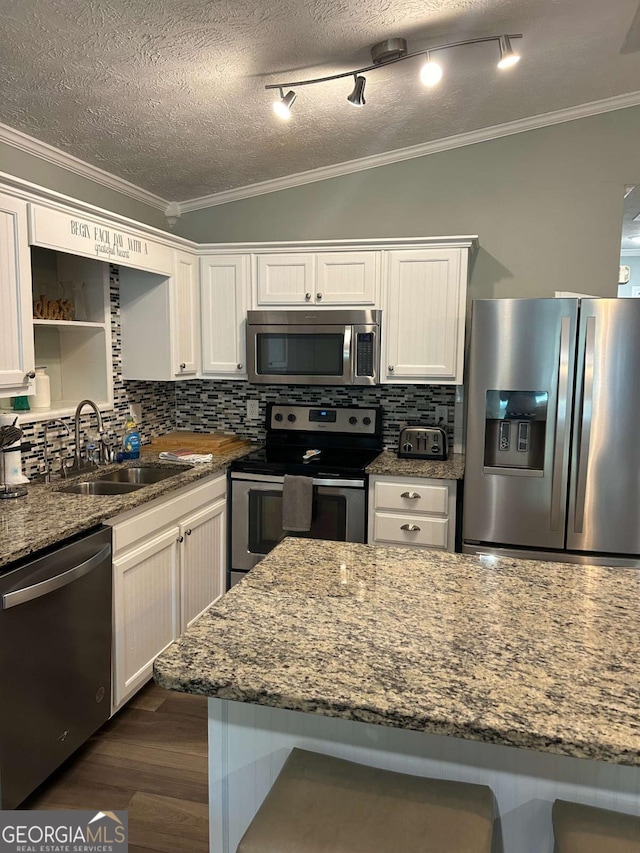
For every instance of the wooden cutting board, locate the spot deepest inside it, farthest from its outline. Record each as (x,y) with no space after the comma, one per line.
(199,442)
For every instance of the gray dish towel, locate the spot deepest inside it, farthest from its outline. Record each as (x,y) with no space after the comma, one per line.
(297,503)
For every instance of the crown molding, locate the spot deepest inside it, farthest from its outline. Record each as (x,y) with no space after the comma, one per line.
(486,134)
(44,151)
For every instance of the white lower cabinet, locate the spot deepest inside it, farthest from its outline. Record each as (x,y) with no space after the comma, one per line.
(168,566)
(417,512)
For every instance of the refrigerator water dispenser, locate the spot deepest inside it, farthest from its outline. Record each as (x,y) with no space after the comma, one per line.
(515,429)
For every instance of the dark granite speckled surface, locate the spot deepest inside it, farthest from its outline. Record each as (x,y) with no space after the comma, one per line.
(47,516)
(531,654)
(388,464)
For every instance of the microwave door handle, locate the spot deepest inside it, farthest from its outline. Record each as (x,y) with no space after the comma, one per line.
(348,368)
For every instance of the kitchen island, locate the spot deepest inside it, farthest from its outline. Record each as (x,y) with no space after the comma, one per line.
(528,669)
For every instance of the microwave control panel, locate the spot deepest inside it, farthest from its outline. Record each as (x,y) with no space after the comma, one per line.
(365,345)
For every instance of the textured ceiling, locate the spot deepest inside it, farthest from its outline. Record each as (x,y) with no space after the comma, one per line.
(169,94)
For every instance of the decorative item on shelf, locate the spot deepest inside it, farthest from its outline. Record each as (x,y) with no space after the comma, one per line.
(387,53)
(12,480)
(42,399)
(52,309)
(21,404)
(80,295)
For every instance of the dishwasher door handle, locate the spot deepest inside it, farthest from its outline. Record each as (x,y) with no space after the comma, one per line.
(28,593)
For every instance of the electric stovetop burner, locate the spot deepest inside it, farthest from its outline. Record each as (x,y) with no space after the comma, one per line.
(316,440)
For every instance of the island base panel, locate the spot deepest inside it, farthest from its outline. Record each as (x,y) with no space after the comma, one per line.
(248,745)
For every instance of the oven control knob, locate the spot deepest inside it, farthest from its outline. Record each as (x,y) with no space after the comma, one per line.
(291,418)
(366,421)
(353,420)
(407,447)
(278,417)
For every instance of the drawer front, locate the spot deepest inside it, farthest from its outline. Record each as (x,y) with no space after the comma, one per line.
(151,518)
(418,530)
(412,496)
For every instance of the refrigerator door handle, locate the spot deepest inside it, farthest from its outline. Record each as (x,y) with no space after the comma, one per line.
(557,484)
(584,436)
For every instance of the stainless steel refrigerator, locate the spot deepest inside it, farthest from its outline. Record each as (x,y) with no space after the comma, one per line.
(553,430)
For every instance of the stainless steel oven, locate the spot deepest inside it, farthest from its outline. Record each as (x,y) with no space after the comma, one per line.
(256,507)
(330,445)
(314,347)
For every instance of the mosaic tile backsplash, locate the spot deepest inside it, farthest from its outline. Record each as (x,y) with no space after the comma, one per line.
(207,405)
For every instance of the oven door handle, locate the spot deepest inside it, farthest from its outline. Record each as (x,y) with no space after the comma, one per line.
(317,481)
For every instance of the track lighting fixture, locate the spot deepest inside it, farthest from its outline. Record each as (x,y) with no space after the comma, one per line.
(386,53)
(431,72)
(508,57)
(282,108)
(356,98)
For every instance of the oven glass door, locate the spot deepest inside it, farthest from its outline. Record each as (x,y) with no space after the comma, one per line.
(338,514)
(309,354)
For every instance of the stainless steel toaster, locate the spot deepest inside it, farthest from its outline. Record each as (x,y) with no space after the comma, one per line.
(423,442)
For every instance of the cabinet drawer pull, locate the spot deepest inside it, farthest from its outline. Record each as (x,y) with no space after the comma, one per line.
(239,366)
(31,374)
(390,368)
(411,495)
(183,366)
(307,296)
(412,528)
(188,531)
(180,539)
(318,296)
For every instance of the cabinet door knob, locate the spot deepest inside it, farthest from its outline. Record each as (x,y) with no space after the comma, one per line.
(188,531)
(182,366)
(239,366)
(307,296)
(318,296)
(411,495)
(390,368)
(31,374)
(180,539)
(412,528)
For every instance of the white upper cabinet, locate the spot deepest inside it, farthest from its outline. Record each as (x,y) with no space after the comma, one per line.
(424,315)
(185,313)
(17,360)
(347,278)
(285,279)
(322,278)
(224,297)
(159,316)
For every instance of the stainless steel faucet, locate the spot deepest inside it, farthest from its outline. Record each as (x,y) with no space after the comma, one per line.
(48,425)
(79,462)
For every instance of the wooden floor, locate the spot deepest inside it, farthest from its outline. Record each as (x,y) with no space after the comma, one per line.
(150,759)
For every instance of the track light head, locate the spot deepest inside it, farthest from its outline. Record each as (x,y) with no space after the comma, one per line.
(508,57)
(282,107)
(431,72)
(356,98)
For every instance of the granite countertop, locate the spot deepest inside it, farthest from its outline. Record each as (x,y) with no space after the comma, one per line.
(389,464)
(530,654)
(47,516)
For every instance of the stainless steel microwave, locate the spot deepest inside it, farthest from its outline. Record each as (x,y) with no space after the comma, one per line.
(314,347)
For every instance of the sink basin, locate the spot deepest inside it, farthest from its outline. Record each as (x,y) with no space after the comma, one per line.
(141,475)
(96,487)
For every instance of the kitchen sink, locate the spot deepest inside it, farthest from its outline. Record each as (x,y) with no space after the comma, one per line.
(97,487)
(139,475)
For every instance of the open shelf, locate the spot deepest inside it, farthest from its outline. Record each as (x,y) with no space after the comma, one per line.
(63,325)
(77,354)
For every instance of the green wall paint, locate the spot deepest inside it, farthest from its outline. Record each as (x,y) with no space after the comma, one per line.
(546,204)
(27,166)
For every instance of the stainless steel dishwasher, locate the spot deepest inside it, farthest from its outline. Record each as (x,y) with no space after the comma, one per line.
(55,659)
